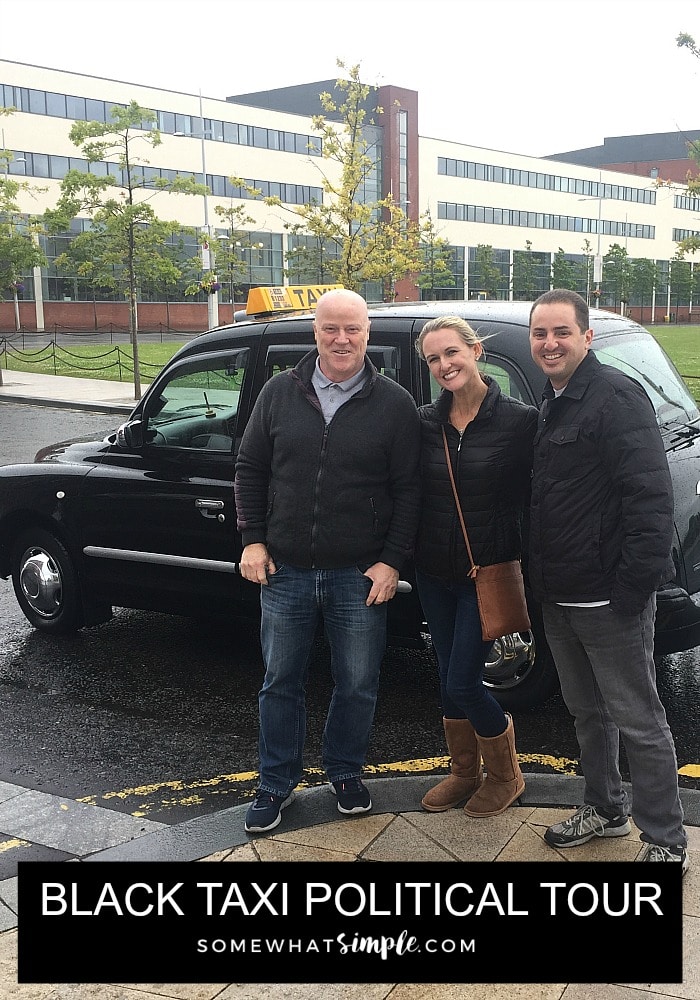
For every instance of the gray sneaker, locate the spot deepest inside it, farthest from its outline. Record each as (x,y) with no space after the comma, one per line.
(655,852)
(585,824)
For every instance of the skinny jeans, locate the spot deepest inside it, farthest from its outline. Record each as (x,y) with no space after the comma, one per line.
(452,613)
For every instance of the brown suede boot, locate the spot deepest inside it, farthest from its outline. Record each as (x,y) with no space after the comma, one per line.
(465,766)
(504,780)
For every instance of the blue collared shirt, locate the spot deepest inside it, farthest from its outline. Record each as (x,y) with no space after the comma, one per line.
(332,395)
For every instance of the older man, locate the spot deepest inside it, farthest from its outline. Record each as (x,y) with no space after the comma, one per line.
(327,498)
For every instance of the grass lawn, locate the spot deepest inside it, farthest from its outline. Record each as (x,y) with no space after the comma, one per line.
(682,344)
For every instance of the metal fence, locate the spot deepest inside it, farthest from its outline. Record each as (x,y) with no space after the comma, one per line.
(52,359)
(110,333)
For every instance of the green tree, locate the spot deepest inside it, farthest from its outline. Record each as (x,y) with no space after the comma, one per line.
(19,250)
(563,272)
(229,250)
(686,41)
(126,241)
(586,269)
(365,239)
(695,288)
(525,268)
(617,274)
(691,246)
(395,252)
(486,277)
(436,256)
(307,261)
(643,281)
(681,279)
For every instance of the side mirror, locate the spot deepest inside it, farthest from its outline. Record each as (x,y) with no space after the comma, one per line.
(130,435)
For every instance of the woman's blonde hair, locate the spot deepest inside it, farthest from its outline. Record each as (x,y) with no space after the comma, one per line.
(456,323)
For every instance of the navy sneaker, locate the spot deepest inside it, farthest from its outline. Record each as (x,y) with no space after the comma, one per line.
(353,797)
(266,812)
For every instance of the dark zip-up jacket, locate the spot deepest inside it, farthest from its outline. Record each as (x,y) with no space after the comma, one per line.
(601,523)
(492,462)
(330,496)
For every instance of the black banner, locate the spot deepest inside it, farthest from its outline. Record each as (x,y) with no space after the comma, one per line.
(313,922)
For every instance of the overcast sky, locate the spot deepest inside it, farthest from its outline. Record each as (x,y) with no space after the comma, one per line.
(526,76)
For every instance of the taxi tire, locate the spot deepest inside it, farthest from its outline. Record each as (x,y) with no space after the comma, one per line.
(67,616)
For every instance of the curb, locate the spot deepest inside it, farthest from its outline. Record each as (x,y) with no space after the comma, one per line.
(222,831)
(98,406)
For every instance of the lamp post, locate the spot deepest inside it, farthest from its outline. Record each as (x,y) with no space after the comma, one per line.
(321,267)
(597,260)
(208,256)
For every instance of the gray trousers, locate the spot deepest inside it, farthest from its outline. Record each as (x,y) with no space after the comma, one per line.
(608,680)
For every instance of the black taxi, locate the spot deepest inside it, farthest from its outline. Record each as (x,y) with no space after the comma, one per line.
(145,518)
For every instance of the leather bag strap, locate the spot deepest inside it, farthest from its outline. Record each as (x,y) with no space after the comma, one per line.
(473,571)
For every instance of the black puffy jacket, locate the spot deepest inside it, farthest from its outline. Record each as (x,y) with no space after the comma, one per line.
(602,499)
(491,463)
(334,495)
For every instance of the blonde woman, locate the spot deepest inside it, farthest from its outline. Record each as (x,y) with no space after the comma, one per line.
(489,436)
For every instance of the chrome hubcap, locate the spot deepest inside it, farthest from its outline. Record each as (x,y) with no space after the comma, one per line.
(40,581)
(510,660)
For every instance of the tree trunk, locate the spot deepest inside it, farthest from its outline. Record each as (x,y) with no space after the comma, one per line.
(133,336)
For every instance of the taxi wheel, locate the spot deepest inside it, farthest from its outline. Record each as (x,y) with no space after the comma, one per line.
(46,583)
(520,670)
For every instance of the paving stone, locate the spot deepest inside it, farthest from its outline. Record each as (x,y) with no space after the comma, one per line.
(404,841)
(470,839)
(343,836)
(13,850)
(68,825)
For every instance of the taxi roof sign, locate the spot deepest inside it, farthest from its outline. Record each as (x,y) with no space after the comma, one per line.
(283,298)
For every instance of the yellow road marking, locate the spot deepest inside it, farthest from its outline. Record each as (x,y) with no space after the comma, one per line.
(172,794)
(9,845)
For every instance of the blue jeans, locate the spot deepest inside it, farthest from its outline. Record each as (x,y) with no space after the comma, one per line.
(292,604)
(455,629)
(605,663)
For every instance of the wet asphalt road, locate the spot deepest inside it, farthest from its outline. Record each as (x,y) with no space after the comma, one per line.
(158,714)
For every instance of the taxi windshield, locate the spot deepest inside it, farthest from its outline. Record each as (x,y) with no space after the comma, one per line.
(644,360)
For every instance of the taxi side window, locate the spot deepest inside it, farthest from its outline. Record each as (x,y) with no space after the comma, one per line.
(508,380)
(198,407)
(279,358)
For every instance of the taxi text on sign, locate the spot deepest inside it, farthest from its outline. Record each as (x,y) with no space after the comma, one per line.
(282,298)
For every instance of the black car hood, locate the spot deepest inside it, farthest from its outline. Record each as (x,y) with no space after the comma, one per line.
(76,450)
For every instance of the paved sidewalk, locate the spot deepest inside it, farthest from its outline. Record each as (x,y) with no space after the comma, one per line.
(312,830)
(396,830)
(77,393)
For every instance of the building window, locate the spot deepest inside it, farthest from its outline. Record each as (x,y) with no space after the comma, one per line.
(540,220)
(448,167)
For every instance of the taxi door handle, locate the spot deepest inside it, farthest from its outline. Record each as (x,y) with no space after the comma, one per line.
(211,508)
